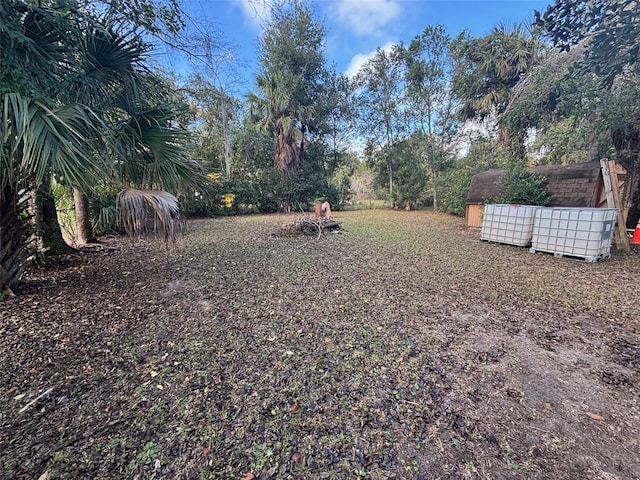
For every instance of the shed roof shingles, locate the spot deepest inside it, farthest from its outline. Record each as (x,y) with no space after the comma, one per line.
(574,185)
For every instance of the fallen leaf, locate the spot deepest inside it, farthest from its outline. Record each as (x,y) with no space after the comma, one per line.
(595,416)
(248,476)
(296,457)
(159,387)
(206,450)
(19,397)
(44,476)
(154,374)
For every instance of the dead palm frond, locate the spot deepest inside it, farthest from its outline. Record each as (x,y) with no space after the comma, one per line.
(146,213)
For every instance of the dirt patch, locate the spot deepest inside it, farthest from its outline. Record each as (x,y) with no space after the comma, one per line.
(402,347)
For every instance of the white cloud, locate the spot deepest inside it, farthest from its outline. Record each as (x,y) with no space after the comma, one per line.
(361,58)
(256,12)
(366,17)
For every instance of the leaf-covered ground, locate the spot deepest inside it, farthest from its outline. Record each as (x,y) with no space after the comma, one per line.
(402,347)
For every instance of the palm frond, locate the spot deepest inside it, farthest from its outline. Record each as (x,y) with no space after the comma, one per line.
(155,154)
(38,141)
(149,213)
(106,67)
(39,37)
(105,220)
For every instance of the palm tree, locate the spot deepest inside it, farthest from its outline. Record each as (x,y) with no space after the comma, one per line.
(74,107)
(144,147)
(488,68)
(106,67)
(37,140)
(280,114)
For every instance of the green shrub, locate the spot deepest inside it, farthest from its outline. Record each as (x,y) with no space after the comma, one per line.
(522,187)
(452,189)
(104,213)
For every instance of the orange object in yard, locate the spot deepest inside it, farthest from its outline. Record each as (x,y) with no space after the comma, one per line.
(326,210)
(636,235)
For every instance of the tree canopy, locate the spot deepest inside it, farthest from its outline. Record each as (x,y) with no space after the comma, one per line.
(610,28)
(487,68)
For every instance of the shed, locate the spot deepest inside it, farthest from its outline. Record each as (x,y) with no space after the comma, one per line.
(573,185)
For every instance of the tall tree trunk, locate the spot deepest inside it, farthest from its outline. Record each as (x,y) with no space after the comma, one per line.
(513,141)
(387,121)
(287,154)
(46,221)
(84,229)
(390,174)
(226,136)
(434,179)
(13,232)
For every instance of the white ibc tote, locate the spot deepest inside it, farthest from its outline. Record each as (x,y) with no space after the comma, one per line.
(511,224)
(578,232)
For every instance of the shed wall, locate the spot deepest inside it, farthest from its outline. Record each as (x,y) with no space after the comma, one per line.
(473,214)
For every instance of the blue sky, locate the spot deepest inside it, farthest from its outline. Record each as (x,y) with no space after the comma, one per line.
(355,28)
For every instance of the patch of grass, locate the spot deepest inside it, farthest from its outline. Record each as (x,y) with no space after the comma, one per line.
(149,454)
